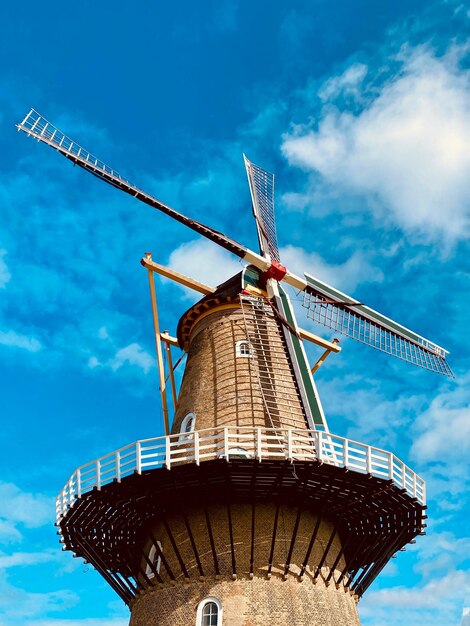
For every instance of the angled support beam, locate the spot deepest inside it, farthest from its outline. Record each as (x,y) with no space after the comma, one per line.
(330,346)
(323,357)
(154,570)
(160,554)
(158,344)
(168,345)
(193,545)
(311,544)
(184,571)
(212,542)
(327,549)
(186,281)
(273,540)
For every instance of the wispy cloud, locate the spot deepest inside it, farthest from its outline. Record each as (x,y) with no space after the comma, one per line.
(355,270)
(13,339)
(21,507)
(4,273)
(133,354)
(406,151)
(17,605)
(437,602)
(205,261)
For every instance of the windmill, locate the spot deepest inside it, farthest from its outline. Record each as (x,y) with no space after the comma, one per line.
(263,505)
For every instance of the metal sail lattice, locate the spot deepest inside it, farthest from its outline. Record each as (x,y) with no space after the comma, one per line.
(262,194)
(344,319)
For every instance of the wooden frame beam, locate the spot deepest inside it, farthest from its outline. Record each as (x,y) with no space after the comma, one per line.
(186,281)
(331,346)
(158,345)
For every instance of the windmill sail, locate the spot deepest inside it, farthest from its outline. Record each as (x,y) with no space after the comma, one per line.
(334,309)
(324,304)
(38,127)
(262,195)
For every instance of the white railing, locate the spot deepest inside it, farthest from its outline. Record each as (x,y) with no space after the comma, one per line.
(235,442)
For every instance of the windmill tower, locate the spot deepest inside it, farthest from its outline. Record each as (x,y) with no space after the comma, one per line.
(248,511)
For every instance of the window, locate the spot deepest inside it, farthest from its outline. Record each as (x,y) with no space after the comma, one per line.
(239,453)
(187,427)
(243,349)
(236,453)
(155,559)
(209,612)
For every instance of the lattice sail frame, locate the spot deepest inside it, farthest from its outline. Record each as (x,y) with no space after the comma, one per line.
(327,306)
(262,195)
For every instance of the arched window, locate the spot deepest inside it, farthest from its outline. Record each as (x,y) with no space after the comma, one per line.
(239,453)
(155,559)
(187,427)
(209,612)
(243,348)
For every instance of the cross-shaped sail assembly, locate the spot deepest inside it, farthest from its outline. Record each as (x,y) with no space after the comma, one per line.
(325,304)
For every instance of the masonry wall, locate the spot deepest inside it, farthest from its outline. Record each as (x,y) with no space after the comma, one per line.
(247,599)
(257,602)
(225,390)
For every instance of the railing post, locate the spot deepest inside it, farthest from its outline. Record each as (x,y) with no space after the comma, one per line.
(390,466)
(258,444)
(318,444)
(118,466)
(414,485)
(345,452)
(79,482)
(98,474)
(196,447)
(138,458)
(368,460)
(289,444)
(226,454)
(403,476)
(167,452)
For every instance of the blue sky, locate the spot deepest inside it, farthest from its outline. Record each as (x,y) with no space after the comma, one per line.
(362,109)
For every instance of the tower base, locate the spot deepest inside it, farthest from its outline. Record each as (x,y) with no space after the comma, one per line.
(256,602)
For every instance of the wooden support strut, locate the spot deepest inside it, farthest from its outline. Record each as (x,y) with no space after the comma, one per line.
(168,344)
(158,344)
(323,357)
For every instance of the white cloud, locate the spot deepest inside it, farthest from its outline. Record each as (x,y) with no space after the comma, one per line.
(438,602)
(441,552)
(407,152)
(348,275)
(17,604)
(347,83)
(442,445)
(16,506)
(4,273)
(133,354)
(205,262)
(16,340)
(20,559)
(8,532)
(443,430)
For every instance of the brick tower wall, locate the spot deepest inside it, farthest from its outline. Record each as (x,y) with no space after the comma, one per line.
(222,389)
(256,600)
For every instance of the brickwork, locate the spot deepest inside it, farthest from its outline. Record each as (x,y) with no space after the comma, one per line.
(257,602)
(248,600)
(223,389)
